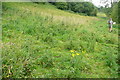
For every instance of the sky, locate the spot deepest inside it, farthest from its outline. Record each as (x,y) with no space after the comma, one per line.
(97,3)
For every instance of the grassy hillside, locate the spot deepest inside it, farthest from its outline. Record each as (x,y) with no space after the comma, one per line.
(41,41)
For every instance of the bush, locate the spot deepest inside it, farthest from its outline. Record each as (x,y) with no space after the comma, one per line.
(77,7)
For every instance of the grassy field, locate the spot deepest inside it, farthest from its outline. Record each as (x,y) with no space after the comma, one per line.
(40,41)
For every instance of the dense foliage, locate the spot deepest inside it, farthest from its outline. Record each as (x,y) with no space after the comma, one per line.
(112,12)
(77,7)
(105,10)
(118,12)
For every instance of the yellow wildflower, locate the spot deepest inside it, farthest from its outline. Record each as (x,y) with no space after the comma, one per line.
(77,54)
(73,55)
(9,71)
(8,75)
(72,50)
(83,51)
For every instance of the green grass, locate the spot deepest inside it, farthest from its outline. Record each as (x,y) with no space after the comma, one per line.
(37,40)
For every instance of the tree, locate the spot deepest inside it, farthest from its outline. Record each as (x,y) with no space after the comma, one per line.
(119,12)
(114,13)
(110,11)
(61,5)
(78,7)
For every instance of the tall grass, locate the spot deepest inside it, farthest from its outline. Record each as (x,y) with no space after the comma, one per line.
(64,45)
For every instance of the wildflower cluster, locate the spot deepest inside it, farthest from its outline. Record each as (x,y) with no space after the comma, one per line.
(74,53)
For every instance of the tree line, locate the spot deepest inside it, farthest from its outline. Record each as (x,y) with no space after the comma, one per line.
(84,8)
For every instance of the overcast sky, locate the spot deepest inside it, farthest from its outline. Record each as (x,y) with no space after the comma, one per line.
(97,3)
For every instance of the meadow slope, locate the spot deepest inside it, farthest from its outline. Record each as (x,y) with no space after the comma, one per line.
(40,41)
